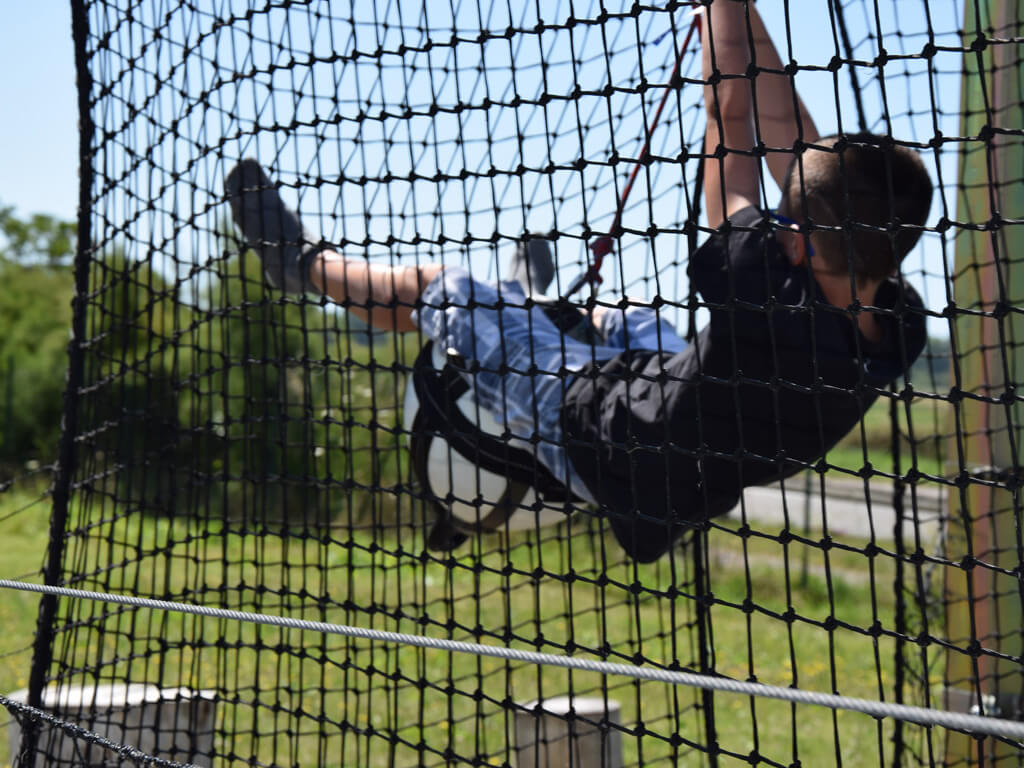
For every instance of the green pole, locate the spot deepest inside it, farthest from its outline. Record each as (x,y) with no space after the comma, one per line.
(984,596)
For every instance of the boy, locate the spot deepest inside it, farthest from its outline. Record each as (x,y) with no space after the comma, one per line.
(659,433)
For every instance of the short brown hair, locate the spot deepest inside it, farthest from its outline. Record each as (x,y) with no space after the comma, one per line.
(869,187)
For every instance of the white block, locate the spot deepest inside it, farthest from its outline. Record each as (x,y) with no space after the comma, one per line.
(173,723)
(546,739)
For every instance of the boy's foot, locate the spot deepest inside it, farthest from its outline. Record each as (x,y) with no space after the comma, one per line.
(532,265)
(270,229)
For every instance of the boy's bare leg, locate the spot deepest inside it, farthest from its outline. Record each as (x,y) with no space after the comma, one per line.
(382,295)
(385,295)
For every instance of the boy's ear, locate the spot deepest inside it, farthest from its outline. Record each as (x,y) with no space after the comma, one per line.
(798,250)
(794,245)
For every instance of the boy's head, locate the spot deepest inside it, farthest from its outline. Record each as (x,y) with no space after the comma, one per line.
(867,186)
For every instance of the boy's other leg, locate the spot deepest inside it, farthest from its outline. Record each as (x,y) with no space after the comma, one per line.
(270,228)
(532,265)
(382,295)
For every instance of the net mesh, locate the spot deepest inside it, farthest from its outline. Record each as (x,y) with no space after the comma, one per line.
(241,449)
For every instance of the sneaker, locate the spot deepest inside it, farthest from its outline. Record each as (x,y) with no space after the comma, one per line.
(270,229)
(532,266)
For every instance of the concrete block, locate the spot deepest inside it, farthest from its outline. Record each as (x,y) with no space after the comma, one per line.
(173,723)
(548,737)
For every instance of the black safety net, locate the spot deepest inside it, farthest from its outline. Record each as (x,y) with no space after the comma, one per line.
(230,444)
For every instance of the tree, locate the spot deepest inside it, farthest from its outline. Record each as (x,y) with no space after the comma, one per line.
(40,239)
(35,315)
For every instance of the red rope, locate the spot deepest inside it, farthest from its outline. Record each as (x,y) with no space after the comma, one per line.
(605,244)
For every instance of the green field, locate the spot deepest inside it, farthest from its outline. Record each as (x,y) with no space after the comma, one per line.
(760,644)
(24,515)
(772,604)
(930,423)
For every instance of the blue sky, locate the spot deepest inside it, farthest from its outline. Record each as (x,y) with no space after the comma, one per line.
(39,138)
(39,130)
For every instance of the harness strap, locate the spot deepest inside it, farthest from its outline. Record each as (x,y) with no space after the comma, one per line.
(439,416)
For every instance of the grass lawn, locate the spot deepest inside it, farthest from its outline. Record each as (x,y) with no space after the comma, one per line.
(930,423)
(24,516)
(370,694)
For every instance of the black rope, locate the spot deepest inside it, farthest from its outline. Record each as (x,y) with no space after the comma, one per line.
(898,494)
(32,719)
(692,300)
(698,551)
(837,9)
(42,647)
(230,444)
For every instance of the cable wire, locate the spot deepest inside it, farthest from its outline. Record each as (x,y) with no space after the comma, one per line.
(976,724)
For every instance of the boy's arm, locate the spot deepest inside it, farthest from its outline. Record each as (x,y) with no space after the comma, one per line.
(731,173)
(782,117)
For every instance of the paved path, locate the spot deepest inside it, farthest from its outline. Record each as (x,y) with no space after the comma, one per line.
(845,510)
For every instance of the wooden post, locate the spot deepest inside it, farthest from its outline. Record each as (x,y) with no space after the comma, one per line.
(984,597)
(569,732)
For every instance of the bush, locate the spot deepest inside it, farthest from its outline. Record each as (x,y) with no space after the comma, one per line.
(35,313)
